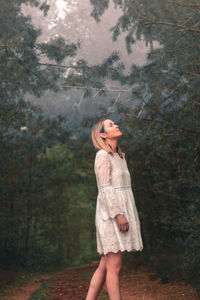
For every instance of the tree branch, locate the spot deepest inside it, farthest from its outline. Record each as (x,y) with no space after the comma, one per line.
(174,24)
(185,5)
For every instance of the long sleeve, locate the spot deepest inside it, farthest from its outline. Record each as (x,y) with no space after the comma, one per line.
(108,197)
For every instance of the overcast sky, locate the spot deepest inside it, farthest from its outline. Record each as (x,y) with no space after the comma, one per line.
(71,19)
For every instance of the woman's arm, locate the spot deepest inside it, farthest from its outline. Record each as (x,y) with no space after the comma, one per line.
(108,195)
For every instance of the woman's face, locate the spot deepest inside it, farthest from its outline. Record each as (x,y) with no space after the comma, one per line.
(111,130)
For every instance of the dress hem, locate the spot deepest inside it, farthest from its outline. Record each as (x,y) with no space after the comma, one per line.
(122,250)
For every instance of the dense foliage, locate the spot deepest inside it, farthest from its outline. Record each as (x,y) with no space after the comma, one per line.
(162,131)
(47,185)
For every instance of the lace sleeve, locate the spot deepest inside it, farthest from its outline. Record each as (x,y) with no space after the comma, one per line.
(107,193)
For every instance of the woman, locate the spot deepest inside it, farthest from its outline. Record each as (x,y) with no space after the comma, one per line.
(116,219)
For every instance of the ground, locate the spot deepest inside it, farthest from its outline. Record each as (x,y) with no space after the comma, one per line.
(135,284)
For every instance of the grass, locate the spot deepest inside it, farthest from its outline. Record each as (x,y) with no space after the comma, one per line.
(42,293)
(14,277)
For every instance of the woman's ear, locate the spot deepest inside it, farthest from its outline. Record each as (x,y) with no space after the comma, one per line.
(103,135)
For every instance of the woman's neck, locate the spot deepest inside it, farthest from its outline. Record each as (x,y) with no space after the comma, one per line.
(113,144)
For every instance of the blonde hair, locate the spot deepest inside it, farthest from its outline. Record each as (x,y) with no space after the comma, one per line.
(100,143)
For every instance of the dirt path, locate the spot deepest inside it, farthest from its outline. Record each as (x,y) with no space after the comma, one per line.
(140,285)
(24,292)
(72,284)
(134,285)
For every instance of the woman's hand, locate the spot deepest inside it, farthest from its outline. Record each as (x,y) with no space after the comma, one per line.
(122,223)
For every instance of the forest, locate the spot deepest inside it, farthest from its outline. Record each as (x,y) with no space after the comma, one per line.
(47,182)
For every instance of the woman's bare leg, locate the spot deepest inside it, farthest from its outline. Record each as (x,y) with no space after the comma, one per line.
(97,280)
(113,266)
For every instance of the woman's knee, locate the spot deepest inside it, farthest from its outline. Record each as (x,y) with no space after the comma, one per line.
(113,269)
(114,262)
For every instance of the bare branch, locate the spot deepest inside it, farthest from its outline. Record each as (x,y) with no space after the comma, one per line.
(97,89)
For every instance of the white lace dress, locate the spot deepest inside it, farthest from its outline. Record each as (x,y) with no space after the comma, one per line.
(115,196)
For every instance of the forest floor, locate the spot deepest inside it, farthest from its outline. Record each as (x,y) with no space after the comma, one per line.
(72,284)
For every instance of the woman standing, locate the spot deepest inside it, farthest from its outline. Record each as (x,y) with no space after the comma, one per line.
(116,219)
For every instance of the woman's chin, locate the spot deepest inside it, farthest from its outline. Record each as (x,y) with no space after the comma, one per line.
(120,135)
